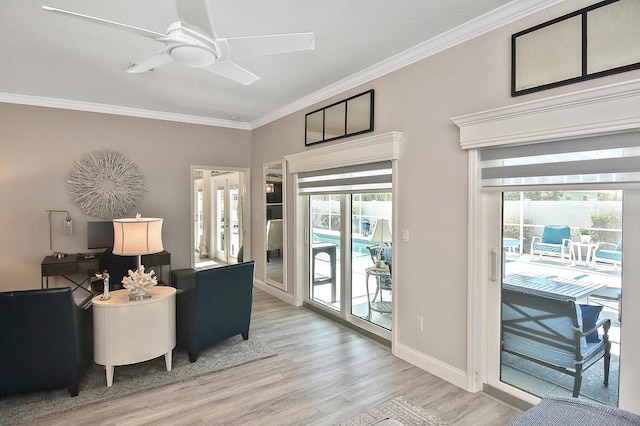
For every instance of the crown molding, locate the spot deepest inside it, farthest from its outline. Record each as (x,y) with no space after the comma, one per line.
(370,149)
(598,111)
(490,21)
(119,110)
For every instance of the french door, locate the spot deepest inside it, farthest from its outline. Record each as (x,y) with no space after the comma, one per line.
(512,221)
(227,228)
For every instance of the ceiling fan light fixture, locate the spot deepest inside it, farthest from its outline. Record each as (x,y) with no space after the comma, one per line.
(193,56)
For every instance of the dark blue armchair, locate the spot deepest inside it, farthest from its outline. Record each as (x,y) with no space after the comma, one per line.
(212,305)
(45,340)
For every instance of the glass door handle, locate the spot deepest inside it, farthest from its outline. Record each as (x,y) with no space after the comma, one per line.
(493,265)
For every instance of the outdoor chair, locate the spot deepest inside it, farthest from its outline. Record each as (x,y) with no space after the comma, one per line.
(555,333)
(608,253)
(610,297)
(555,241)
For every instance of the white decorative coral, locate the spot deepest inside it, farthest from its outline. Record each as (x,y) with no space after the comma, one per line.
(138,283)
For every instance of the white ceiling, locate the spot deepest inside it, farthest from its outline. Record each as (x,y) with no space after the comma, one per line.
(54,60)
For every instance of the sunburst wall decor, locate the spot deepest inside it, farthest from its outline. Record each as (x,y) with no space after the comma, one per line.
(106,184)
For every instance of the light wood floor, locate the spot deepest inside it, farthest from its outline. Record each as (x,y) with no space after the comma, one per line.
(323,374)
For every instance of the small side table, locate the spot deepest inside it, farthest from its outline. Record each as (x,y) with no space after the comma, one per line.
(576,252)
(127,332)
(381,306)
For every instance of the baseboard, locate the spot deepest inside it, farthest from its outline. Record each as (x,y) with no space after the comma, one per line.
(437,368)
(276,292)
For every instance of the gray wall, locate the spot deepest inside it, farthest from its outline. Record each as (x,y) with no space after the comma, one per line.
(419,101)
(41,145)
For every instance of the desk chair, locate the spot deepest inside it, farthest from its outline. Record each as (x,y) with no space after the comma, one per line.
(118,268)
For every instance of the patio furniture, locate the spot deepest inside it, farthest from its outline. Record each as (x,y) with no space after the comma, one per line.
(366,227)
(609,297)
(555,333)
(555,241)
(511,245)
(608,253)
(378,306)
(318,279)
(552,286)
(384,280)
(576,252)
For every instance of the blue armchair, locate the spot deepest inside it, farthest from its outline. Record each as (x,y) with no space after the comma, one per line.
(555,241)
(45,339)
(212,305)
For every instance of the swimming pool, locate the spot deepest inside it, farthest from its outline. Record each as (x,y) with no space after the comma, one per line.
(358,245)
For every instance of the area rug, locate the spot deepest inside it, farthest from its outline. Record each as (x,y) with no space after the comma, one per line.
(400,411)
(130,379)
(592,378)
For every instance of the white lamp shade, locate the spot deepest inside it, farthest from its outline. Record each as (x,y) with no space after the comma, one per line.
(136,236)
(381,231)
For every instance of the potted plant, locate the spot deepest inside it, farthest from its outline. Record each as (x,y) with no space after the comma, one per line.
(585,235)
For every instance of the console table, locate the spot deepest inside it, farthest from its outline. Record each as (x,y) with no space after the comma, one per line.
(82,263)
(127,332)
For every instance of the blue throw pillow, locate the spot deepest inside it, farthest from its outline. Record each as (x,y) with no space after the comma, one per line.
(590,315)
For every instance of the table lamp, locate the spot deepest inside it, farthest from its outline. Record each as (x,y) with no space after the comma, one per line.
(68,229)
(381,234)
(137,236)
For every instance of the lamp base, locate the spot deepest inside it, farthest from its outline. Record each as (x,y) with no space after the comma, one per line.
(59,254)
(137,297)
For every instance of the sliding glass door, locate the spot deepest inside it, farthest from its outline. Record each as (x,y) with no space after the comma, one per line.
(562,245)
(371,258)
(325,224)
(350,249)
(351,256)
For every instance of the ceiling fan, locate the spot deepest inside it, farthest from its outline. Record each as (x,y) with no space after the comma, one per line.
(192,41)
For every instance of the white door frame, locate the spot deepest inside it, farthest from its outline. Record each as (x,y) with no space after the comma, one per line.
(244,195)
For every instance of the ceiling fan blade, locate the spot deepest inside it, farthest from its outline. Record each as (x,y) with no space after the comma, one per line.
(243,47)
(196,13)
(159,58)
(233,71)
(135,30)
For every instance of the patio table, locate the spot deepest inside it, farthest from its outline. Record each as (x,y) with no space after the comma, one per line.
(552,287)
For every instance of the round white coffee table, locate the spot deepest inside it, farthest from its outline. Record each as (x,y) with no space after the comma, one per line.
(127,332)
